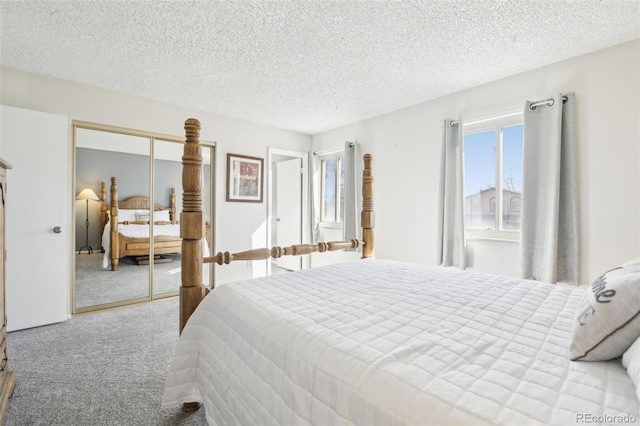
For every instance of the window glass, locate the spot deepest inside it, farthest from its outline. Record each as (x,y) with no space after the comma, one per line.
(511,177)
(493,176)
(329,190)
(480,179)
(332,188)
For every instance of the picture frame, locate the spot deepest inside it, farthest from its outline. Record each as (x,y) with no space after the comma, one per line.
(245,178)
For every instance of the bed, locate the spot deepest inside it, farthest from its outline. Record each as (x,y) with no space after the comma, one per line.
(387,342)
(128,233)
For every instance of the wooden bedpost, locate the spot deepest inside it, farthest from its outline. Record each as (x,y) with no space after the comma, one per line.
(367,217)
(104,217)
(172,206)
(192,290)
(115,261)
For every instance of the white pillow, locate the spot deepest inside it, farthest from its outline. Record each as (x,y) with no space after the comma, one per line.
(161,215)
(126,215)
(631,361)
(608,318)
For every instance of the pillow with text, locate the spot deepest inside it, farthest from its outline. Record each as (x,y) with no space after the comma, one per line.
(608,318)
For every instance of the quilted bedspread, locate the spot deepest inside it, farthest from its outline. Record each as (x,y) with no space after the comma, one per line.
(384,342)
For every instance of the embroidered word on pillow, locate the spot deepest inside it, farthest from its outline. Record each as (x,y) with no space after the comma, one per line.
(608,318)
(142,216)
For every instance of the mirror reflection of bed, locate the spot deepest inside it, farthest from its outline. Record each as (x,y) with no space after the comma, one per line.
(136,227)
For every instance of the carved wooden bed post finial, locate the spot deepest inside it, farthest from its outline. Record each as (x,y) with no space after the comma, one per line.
(192,290)
(367,218)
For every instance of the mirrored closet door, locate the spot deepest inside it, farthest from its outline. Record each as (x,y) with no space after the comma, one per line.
(166,266)
(131,253)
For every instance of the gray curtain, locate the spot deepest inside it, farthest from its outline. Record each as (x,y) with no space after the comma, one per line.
(549,235)
(452,197)
(350,225)
(314,190)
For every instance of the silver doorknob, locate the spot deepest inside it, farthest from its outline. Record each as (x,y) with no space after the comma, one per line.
(57,229)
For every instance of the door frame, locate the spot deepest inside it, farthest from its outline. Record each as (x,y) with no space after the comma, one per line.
(304,156)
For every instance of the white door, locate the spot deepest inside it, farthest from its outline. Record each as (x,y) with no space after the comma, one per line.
(37,145)
(288,212)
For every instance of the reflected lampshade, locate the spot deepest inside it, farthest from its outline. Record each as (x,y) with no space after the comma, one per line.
(87,194)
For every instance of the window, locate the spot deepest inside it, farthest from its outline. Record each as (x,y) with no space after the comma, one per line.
(332,188)
(493,177)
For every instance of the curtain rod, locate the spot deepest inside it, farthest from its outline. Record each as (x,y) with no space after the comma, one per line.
(533,106)
(488,118)
(332,151)
(549,102)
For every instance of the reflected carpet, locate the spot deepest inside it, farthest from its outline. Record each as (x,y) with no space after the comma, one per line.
(95,285)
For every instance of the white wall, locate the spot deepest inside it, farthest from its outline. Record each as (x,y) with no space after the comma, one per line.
(406,148)
(243,224)
(406,145)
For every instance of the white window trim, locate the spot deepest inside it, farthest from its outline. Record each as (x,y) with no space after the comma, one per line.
(330,225)
(483,125)
(491,234)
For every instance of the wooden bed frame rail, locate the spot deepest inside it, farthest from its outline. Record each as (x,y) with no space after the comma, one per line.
(277,252)
(192,223)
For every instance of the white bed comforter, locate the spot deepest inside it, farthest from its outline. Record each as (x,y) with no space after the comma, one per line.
(382,342)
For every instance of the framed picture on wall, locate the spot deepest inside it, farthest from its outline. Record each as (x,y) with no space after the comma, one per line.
(245,178)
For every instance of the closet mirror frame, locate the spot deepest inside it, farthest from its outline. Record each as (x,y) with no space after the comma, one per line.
(152,137)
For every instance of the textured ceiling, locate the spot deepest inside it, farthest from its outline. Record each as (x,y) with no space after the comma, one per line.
(307,66)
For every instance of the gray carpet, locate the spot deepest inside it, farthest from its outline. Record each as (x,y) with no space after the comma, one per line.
(106,368)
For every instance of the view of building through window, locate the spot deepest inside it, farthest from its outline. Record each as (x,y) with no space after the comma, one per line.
(493,178)
(332,189)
